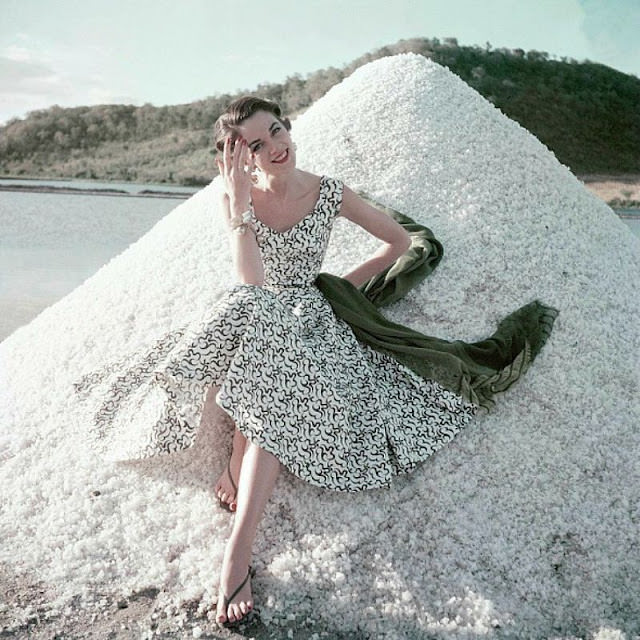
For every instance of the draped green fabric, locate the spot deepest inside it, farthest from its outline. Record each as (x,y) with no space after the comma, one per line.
(410,269)
(476,371)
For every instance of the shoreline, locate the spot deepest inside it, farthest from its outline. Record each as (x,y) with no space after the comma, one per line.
(621,191)
(145,193)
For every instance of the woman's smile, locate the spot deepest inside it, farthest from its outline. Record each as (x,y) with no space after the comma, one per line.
(281,157)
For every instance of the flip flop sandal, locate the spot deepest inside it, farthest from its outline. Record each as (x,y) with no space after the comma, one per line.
(225,505)
(227,599)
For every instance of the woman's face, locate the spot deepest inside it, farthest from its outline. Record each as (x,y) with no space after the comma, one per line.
(270,144)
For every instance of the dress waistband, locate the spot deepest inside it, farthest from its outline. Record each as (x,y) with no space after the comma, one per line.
(288,287)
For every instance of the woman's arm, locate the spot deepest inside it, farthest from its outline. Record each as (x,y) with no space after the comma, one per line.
(235,201)
(396,240)
(244,247)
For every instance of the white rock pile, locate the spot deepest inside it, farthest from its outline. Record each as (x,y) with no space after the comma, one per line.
(526,525)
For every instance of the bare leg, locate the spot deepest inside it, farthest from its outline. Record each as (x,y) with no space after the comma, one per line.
(257,479)
(224,487)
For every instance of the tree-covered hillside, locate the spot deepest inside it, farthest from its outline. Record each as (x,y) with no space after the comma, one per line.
(587,113)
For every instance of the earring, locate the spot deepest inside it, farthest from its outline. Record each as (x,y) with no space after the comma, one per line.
(254,175)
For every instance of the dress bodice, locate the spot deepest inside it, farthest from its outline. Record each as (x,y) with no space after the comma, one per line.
(292,258)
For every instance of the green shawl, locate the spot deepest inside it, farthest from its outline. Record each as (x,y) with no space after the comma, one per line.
(475,371)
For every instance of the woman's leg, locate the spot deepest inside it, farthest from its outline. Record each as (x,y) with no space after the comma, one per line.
(257,479)
(225,489)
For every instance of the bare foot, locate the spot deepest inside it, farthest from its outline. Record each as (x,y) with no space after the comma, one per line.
(235,599)
(227,485)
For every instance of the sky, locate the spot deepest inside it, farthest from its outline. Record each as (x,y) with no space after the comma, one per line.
(86,52)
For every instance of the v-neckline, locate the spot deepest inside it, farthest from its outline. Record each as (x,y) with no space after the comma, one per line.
(307,215)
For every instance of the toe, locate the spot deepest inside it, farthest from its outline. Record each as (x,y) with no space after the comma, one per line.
(221,610)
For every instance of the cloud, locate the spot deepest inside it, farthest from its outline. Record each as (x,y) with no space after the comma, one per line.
(24,75)
(26,85)
(33,77)
(18,54)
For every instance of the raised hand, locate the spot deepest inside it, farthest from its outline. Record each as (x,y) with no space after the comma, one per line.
(235,172)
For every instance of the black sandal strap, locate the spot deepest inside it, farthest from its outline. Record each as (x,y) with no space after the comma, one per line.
(227,599)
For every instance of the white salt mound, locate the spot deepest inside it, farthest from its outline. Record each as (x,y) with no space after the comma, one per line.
(526,525)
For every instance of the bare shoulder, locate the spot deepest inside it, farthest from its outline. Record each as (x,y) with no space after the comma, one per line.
(310,180)
(307,175)
(353,204)
(373,220)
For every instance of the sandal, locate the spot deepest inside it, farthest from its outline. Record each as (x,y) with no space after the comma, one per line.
(226,600)
(226,505)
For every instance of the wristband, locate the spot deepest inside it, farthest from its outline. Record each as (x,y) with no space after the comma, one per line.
(242,222)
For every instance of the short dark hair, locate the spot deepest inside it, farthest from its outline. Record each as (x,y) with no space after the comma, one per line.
(238,111)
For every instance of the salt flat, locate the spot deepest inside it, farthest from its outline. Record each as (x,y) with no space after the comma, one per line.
(524,526)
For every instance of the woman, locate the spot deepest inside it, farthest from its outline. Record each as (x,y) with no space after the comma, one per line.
(282,207)
(342,412)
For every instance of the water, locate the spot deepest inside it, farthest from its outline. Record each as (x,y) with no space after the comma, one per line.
(632,219)
(51,242)
(128,187)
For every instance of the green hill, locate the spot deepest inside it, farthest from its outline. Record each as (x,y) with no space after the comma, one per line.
(586,113)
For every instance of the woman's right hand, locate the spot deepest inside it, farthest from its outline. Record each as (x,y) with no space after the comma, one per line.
(235,202)
(237,179)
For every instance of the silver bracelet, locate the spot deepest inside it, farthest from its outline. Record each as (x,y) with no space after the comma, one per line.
(242,228)
(239,224)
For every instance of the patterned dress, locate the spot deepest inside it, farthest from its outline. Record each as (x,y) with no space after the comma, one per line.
(291,375)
